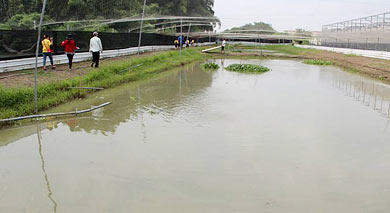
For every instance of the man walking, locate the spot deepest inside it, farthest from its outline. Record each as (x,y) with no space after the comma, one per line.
(223,46)
(96,47)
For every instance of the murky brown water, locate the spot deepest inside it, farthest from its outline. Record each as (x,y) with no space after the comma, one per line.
(300,138)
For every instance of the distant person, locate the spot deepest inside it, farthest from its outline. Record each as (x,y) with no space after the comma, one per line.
(96,47)
(187,43)
(193,43)
(70,48)
(47,51)
(180,41)
(176,44)
(223,46)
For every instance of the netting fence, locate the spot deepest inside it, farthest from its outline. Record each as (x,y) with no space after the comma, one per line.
(22,43)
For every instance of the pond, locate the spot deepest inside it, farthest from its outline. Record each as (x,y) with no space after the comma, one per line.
(300,138)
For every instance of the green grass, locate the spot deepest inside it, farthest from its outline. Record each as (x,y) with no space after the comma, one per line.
(20,101)
(289,49)
(210,66)
(351,55)
(317,62)
(248,68)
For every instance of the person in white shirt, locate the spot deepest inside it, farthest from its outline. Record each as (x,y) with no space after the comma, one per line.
(223,45)
(96,47)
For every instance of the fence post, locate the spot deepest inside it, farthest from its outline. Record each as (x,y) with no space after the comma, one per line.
(377,44)
(384,20)
(36,57)
(366,43)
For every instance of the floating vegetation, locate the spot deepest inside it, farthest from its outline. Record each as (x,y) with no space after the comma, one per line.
(247,68)
(317,62)
(210,66)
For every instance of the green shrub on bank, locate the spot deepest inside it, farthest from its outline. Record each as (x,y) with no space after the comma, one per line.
(318,62)
(210,66)
(20,101)
(251,68)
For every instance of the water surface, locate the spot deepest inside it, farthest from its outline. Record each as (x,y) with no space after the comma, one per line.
(300,138)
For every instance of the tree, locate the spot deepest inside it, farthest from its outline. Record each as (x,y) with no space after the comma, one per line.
(255,27)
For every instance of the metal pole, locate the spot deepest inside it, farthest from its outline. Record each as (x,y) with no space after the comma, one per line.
(140,31)
(189,30)
(36,57)
(181,34)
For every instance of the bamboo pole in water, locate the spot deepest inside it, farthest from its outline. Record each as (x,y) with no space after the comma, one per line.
(56,114)
(388,112)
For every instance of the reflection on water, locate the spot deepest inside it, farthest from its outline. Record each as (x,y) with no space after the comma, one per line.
(49,190)
(372,94)
(300,138)
(166,96)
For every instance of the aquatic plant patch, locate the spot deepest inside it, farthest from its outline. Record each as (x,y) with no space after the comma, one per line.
(250,68)
(317,62)
(210,66)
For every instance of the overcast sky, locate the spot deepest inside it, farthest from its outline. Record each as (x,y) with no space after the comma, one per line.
(293,14)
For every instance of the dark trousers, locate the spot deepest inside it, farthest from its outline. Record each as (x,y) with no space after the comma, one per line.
(96,58)
(70,58)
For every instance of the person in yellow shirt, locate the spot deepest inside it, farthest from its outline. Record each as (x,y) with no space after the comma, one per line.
(46,52)
(176,43)
(193,43)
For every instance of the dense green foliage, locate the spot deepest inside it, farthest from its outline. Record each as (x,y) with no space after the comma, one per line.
(210,66)
(66,10)
(20,101)
(317,62)
(247,68)
(253,26)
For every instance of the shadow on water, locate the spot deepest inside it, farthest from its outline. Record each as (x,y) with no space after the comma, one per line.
(49,189)
(163,95)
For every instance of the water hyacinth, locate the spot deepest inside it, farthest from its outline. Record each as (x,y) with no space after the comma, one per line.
(317,62)
(210,66)
(247,68)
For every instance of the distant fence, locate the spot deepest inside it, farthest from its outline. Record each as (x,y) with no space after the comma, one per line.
(352,43)
(16,44)
(368,33)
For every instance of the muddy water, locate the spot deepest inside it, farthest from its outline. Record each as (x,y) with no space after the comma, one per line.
(300,138)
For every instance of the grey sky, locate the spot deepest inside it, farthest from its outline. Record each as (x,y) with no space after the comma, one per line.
(292,14)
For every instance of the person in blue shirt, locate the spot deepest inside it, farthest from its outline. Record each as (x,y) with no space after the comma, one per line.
(181,41)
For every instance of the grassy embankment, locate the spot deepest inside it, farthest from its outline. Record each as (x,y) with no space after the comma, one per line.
(20,101)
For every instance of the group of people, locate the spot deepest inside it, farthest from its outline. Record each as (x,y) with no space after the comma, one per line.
(69,44)
(95,47)
(179,42)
